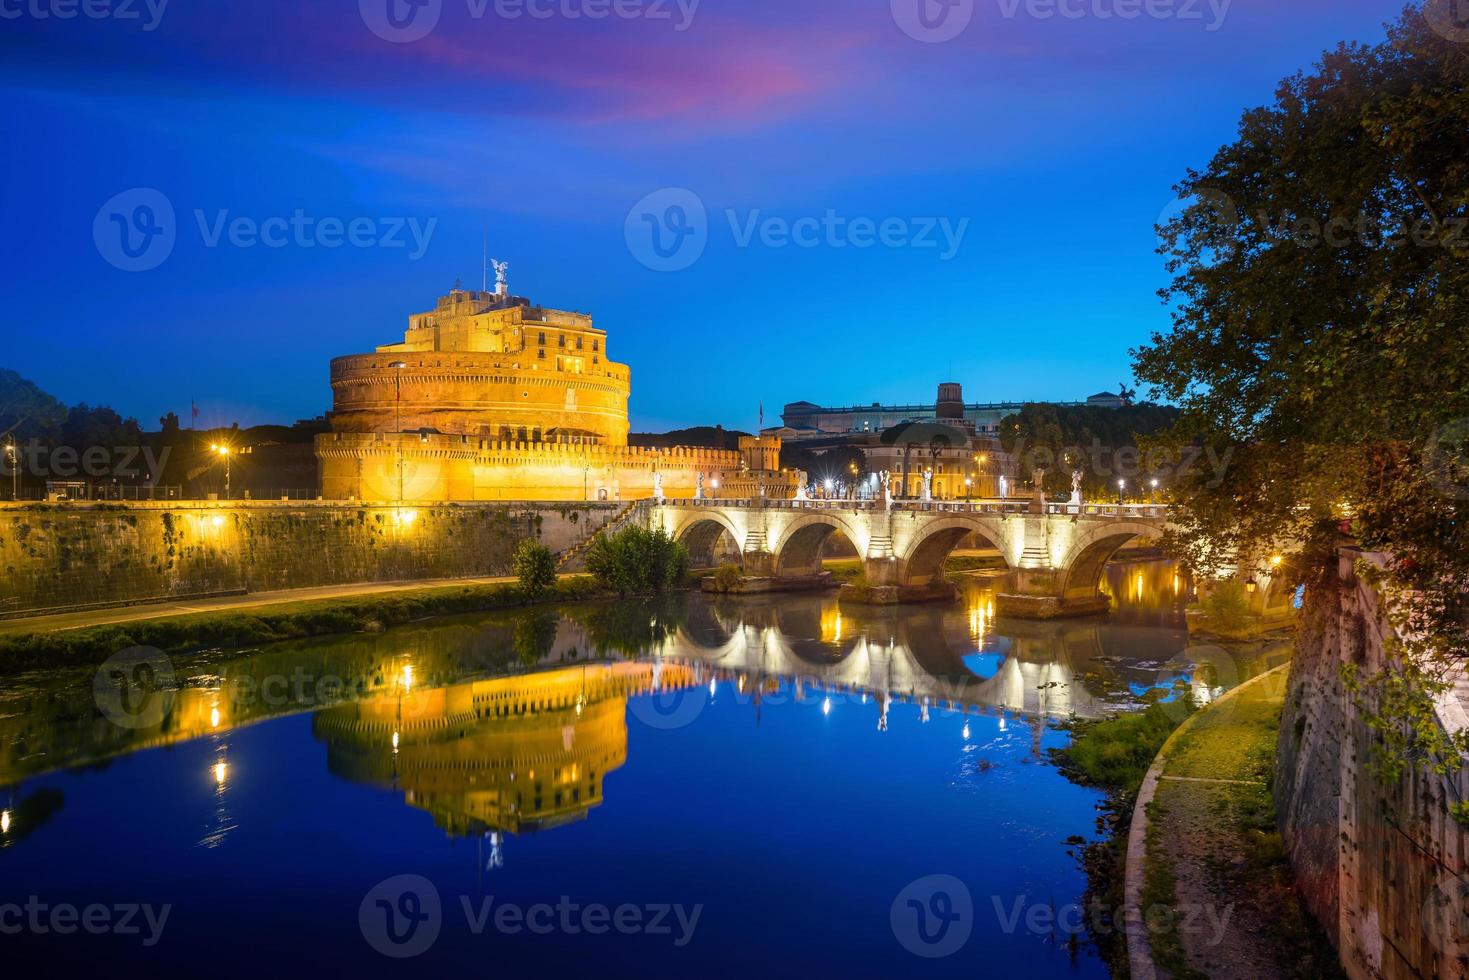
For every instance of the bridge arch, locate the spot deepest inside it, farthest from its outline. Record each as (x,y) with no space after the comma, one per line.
(798,548)
(700,532)
(923,559)
(1083,562)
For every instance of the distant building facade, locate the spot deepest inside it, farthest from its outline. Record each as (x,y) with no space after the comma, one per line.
(803,421)
(491,397)
(954,444)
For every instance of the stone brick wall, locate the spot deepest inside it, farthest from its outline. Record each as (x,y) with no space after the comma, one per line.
(67,555)
(1384,868)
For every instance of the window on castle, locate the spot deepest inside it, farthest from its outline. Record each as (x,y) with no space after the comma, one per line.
(561,341)
(541,338)
(541,353)
(578,342)
(596,344)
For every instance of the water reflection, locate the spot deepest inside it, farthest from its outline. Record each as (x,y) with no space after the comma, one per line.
(511,723)
(517,754)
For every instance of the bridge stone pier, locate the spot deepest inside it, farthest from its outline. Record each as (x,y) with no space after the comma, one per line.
(1057,551)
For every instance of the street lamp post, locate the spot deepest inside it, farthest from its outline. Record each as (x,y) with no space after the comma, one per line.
(1122,491)
(225,452)
(398,367)
(13,458)
(1155,489)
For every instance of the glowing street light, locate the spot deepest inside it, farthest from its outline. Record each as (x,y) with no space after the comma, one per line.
(12,456)
(1122,491)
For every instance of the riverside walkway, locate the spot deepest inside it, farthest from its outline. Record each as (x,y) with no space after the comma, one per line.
(82,619)
(1208,887)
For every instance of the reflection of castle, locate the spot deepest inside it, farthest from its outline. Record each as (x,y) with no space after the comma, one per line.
(489,397)
(516,754)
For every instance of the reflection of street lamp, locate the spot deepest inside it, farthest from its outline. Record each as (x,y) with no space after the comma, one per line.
(398,367)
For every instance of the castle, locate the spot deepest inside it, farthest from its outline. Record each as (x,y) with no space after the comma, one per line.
(491,397)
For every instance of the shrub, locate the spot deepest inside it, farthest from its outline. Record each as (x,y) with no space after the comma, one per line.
(1228,607)
(637,560)
(1115,753)
(535,567)
(727,578)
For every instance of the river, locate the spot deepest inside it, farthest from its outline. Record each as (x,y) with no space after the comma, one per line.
(773,786)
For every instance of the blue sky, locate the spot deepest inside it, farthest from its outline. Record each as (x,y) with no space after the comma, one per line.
(1045,144)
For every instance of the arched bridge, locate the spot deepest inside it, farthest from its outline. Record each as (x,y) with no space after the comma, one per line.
(1057,550)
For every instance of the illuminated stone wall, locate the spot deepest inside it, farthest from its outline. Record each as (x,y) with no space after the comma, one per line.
(76,555)
(1382,865)
(358,466)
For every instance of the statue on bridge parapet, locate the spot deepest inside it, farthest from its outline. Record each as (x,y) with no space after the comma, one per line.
(1076,478)
(928,486)
(699,488)
(887,489)
(1004,487)
(658,487)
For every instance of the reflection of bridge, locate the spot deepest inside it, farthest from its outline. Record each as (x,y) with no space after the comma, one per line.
(1058,549)
(936,658)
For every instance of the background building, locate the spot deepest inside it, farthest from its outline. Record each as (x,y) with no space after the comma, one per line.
(959,443)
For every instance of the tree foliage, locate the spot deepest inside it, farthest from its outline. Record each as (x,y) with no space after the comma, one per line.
(1318,297)
(535,568)
(635,560)
(1101,442)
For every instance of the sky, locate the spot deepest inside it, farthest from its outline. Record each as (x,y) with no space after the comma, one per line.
(761,201)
